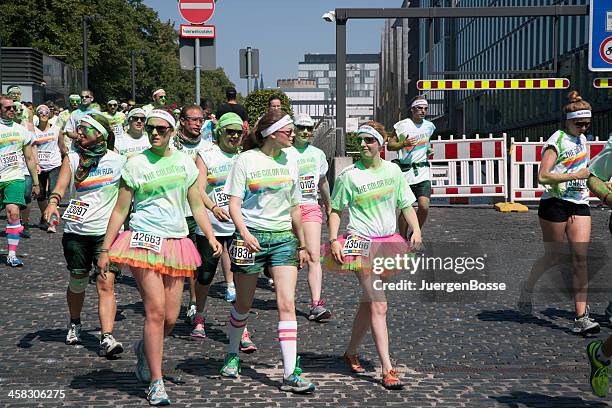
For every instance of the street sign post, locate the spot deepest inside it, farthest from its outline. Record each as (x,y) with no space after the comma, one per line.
(600,35)
(249,65)
(207,54)
(196,11)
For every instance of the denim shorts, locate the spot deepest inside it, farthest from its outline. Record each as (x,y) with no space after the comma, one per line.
(278,248)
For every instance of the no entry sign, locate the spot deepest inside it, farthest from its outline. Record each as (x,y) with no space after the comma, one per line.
(196,11)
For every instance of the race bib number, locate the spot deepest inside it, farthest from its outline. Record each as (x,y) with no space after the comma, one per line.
(9,160)
(118,129)
(356,245)
(76,211)
(146,241)
(239,254)
(221,199)
(307,184)
(576,185)
(44,157)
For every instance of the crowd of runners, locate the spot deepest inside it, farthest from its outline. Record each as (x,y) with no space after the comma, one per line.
(168,193)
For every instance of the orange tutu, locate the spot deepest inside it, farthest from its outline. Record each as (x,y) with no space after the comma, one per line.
(177,257)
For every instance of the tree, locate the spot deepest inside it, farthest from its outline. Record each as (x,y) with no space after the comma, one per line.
(256,103)
(55,27)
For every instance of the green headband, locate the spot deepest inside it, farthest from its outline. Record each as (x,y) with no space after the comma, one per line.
(230,118)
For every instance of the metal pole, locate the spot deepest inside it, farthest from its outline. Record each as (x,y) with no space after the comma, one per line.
(197,71)
(1,66)
(341,74)
(133,55)
(85,73)
(248,69)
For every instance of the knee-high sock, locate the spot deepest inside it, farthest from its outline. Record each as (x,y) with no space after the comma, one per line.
(236,327)
(287,336)
(12,236)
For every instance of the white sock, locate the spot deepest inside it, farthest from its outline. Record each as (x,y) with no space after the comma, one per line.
(12,254)
(601,357)
(230,284)
(287,336)
(236,327)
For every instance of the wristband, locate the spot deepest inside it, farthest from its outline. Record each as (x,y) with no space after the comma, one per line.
(331,241)
(104,250)
(301,248)
(213,207)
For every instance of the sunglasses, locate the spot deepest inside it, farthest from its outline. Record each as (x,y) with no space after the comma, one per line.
(233,132)
(308,128)
(423,108)
(138,119)
(112,105)
(85,129)
(582,124)
(44,113)
(285,132)
(8,108)
(368,139)
(86,97)
(198,119)
(161,130)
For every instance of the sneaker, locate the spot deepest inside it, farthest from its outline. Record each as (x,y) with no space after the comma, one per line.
(318,311)
(142,368)
(271,282)
(109,346)
(353,362)
(296,383)
(157,393)
(25,232)
(585,325)
(608,312)
(391,380)
(13,261)
(231,367)
(599,370)
(190,315)
(74,334)
(525,302)
(230,293)
(198,327)
(51,229)
(246,344)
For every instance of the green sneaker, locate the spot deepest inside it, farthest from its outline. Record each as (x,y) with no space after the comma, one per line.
(599,370)
(296,383)
(231,367)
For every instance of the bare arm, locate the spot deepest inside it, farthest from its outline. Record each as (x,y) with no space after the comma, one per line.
(412,220)
(545,176)
(325,196)
(250,242)
(220,213)
(334,226)
(201,217)
(63,181)
(393,143)
(32,163)
(600,189)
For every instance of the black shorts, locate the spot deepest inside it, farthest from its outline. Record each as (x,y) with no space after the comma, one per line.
(82,252)
(206,271)
(422,189)
(557,210)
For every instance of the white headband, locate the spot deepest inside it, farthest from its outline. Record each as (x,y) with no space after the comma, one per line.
(112,101)
(158,91)
(136,111)
(162,114)
(372,132)
(419,102)
(284,121)
(578,114)
(97,125)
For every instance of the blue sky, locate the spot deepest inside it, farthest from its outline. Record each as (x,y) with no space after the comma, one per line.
(283,30)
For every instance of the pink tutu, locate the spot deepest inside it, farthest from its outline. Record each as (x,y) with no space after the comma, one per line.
(381,247)
(178,256)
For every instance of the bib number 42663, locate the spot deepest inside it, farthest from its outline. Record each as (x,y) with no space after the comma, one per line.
(146,241)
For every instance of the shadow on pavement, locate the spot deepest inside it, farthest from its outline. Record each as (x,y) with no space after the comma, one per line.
(110,379)
(519,398)
(209,367)
(517,317)
(89,341)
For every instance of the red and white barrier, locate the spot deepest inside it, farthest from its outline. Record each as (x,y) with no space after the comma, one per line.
(525,158)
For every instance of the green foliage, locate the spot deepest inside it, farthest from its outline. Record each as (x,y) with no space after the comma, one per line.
(256,103)
(55,27)
(352,145)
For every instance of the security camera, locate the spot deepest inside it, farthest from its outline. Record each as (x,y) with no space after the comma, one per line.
(330,16)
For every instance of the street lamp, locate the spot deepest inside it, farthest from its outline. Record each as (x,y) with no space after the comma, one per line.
(330,16)
(86,19)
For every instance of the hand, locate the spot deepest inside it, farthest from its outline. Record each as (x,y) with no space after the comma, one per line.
(35,190)
(416,241)
(49,211)
(38,170)
(336,251)
(216,246)
(582,174)
(609,186)
(304,256)
(103,264)
(250,242)
(409,141)
(221,214)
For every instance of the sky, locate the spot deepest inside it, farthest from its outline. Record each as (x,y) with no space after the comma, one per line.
(282,30)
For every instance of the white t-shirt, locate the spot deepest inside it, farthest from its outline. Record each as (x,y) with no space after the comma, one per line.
(12,160)
(49,156)
(219,164)
(128,146)
(268,187)
(312,165)
(97,194)
(601,166)
(160,187)
(572,156)
(117,121)
(422,132)
(372,196)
